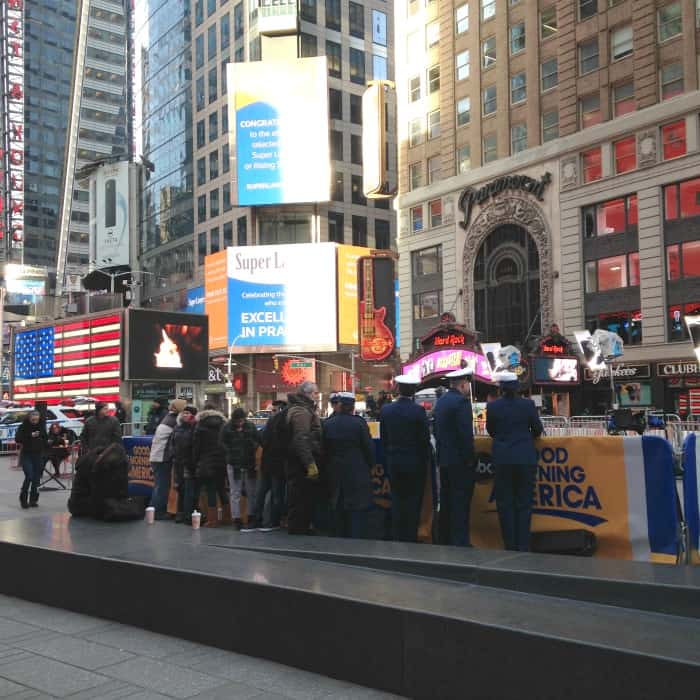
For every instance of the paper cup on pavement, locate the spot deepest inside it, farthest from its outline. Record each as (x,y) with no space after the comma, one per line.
(150,515)
(196,519)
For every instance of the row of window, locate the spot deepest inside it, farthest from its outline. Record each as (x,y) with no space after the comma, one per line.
(356,16)
(217,243)
(669,19)
(222,32)
(214,132)
(356,191)
(355,65)
(213,170)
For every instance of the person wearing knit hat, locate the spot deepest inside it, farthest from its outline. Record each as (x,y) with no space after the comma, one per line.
(100,430)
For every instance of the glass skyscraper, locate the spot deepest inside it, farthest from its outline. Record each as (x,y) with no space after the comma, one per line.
(163,136)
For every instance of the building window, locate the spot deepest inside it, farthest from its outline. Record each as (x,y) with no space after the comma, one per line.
(380,67)
(592,166)
(433,124)
(211,43)
(358,196)
(433,169)
(415,132)
(490,101)
(213,81)
(335,103)
(683,260)
(336,232)
(673,144)
(238,21)
(625,155)
(213,126)
(201,134)
(338,187)
(435,207)
(426,305)
(550,125)
(214,203)
(336,144)
(199,51)
(588,56)
(432,35)
(682,201)
(589,111)
(518,88)
(213,165)
(587,8)
(201,208)
(548,22)
(464,159)
(671,80)
(550,74)
(417,219)
(518,138)
(433,79)
(627,324)
(214,240)
(198,12)
(356,149)
(359,230)
(211,7)
(677,330)
(308,47)
(488,52)
(242,231)
(357,66)
(414,88)
(357,20)
(415,176)
(201,247)
(670,21)
(488,9)
(379,29)
(462,63)
(224,120)
(382,234)
(462,19)
(334,58)
(517,38)
(610,218)
(490,148)
(333,14)
(623,99)
(228,235)
(199,91)
(226,196)
(621,42)
(612,273)
(307,10)
(224,79)
(427,261)
(463,111)
(201,171)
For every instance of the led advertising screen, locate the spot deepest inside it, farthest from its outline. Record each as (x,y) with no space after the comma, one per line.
(109,215)
(282,298)
(280,113)
(555,370)
(166,346)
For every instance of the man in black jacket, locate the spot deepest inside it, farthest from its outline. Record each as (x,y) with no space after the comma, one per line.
(241,439)
(101,430)
(31,437)
(183,465)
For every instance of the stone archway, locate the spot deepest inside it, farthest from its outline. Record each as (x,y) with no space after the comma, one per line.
(510,209)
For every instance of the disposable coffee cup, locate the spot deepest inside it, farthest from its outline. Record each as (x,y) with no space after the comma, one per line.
(150,515)
(196,519)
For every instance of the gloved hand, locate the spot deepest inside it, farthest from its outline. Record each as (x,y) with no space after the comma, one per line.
(312,472)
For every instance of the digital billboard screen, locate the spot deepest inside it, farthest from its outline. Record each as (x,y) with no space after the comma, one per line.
(280,138)
(282,298)
(167,346)
(555,370)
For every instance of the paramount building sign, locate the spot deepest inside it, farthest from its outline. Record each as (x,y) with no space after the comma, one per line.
(471,196)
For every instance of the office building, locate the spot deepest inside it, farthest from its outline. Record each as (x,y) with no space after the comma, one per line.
(548,173)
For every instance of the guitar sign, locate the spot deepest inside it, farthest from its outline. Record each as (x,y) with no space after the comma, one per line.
(376,339)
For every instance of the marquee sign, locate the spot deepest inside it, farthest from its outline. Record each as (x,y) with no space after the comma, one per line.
(624,372)
(471,196)
(12,148)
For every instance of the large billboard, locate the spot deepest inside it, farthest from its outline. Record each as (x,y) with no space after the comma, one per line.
(109,215)
(280,112)
(165,346)
(348,256)
(215,301)
(282,298)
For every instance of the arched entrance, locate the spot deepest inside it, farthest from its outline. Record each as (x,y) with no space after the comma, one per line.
(513,277)
(507,286)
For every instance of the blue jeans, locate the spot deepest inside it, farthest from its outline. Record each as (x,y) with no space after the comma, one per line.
(33,467)
(161,486)
(190,498)
(275,485)
(513,487)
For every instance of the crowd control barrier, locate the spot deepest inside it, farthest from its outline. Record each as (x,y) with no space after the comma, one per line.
(691,493)
(620,488)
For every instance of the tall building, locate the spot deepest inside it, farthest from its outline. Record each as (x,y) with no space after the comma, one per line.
(97,124)
(549,157)
(163,134)
(357,40)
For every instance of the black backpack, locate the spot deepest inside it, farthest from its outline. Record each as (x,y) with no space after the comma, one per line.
(277,435)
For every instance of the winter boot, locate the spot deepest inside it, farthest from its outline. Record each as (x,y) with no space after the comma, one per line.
(212,520)
(23,500)
(226,514)
(34,501)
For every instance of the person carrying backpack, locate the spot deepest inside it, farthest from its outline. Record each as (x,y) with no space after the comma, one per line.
(274,458)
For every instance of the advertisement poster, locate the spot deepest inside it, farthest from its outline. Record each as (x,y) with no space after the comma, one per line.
(215,302)
(110,216)
(348,255)
(447,360)
(195,301)
(282,298)
(280,113)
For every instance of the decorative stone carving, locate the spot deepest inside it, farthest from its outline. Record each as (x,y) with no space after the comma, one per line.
(646,148)
(523,212)
(569,172)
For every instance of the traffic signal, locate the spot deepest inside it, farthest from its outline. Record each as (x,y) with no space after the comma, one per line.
(275,363)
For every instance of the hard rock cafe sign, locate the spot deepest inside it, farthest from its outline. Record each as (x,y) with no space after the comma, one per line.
(471,195)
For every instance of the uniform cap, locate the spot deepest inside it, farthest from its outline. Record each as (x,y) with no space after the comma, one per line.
(345,397)
(406,379)
(335,397)
(460,373)
(506,377)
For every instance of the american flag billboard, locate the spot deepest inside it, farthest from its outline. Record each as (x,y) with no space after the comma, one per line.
(64,360)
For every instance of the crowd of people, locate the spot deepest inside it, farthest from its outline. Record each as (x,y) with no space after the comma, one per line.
(315,474)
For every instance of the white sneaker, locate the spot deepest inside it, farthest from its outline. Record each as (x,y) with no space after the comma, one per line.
(268,529)
(246,528)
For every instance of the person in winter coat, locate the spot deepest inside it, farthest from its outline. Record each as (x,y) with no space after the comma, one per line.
(304,429)
(183,465)
(349,458)
(100,430)
(161,463)
(120,412)
(59,440)
(209,457)
(158,411)
(31,437)
(241,439)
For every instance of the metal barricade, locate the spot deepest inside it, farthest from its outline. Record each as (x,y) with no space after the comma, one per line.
(588,426)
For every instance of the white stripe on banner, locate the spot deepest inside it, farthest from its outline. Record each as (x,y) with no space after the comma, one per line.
(104,329)
(105,344)
(636,498)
